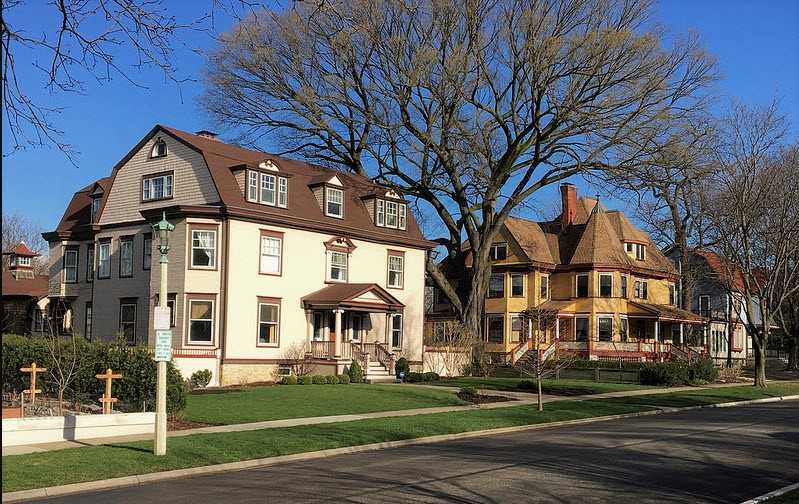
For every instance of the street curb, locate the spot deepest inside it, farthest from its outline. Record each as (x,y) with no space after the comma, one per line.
(126,481)
(770,495)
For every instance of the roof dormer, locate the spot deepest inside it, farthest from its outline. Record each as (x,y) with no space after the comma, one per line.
(266,184)
(20,257)
(329,193)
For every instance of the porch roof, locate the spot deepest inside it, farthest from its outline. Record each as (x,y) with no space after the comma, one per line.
(367,297)
(666,313)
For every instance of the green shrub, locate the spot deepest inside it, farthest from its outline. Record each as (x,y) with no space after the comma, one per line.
(664,373)
(703,370)
(331,379)
(430,377)
(402,366)
(289,380)
(306,380)
(200,379)
(468,391)
(344,379)
(318,380)
(526,385)
(413,377)
(356,372)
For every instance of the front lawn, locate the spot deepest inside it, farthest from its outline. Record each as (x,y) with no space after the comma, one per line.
(709,396)
(279,402)
(89,463)
(552,387)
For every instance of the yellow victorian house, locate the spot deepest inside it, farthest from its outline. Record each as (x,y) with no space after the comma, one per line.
(611,291)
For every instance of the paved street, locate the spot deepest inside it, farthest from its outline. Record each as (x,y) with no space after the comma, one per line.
(711,455)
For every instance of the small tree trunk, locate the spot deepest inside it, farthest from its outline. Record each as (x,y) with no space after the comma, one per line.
(60,401)
(540,395)
(793,354)
(760,364)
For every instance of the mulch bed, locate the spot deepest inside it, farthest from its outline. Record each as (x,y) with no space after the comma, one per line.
(174,424)
(483,399)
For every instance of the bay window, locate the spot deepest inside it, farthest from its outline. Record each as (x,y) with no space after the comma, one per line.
(517,284)
(606,285)
(201,321)
(582,285)
(544,287)
(581,329)
(203,249)
(605,328)
(496,285)
(495,328)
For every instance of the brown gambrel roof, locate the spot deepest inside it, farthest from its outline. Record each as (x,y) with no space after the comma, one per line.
(595,239)
(76,221)
(303,209)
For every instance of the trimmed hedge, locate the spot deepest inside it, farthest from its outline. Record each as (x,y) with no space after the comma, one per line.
(356,372)
(306,380)
(413,377)
(289,380)
(402,366)
(318,380)
(331,379)
(138,369)
(344,379)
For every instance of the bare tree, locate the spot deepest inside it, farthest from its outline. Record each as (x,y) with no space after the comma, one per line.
(90,40)
(467,107)
(452,347)
(546,360)
(755,212)
(65,358)
(296,357)
(20,228)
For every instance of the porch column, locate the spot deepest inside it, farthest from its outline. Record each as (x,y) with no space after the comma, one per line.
(657,331)
(339,335)
(557,328)
(682,340)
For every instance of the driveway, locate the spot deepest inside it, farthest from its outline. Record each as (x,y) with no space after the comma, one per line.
(709,455)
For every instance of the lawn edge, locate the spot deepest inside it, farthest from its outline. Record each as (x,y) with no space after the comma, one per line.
(135,480)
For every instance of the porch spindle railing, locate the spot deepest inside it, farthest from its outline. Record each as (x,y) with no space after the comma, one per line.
(323,349)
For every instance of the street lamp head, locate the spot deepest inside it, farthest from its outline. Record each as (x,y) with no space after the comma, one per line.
(162,229)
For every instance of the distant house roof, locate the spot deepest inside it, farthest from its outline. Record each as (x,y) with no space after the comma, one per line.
(21,249)
(723,271)
(24,285)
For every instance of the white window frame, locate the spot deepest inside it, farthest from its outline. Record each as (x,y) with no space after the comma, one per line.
(395,331)
(604,317)
(380,213)
(253,188)
(100,247)
(516,275)
(190,320)
(154,151)
(577,282)
(611,284)
(640,252)
(282,192)
(492,253)
(400,273)
(126,259)
(70,252)
(392,214)
(262,322)
(402,220)
(24,261)
(516,317)
(624,328)
(212,264)
(148,189)
(345,268)
(624,287)
(266,239)
(268,180)
(329,192)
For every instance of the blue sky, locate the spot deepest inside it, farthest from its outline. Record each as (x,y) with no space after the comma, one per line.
(756,44)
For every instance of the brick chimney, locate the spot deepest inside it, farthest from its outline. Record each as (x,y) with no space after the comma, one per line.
(568,198)
(207,134)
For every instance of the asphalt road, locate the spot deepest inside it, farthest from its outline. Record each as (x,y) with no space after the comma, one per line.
(711,455)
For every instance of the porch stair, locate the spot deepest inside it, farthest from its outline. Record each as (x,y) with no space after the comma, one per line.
(377,373)
(527,361)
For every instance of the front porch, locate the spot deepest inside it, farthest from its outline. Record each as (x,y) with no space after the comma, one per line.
(354,322)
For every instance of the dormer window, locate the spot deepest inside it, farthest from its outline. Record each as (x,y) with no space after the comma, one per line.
(498,252)
(267,189)
(390,214)
(334,202)
(24,261)
(159,149)
(95,208)
(157,187)
(637,250)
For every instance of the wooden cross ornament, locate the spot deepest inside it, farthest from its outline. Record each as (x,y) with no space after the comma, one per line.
(33,369)
(107,400)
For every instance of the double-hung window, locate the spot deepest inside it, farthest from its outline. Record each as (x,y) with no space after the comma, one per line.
(252,186)
(516,328)
(624,286)
(544,287)
(334,202)
(268,186)
(582,285)
(201,321)
(127,320)
(581,329)
(268,323)
(95,208)
(282,192)
(392,214)
(396,330)
(270,255)
(704,306)
(267,189)
(104,260)
(624,329)
(396,267)
(337,266)
(90,262)
(70,265)
(517,284)
(157,187)
(380,213)
(606,285)
(147,253)
(605,328)
(126,257)
(203,249)
(496,285)
(496,328)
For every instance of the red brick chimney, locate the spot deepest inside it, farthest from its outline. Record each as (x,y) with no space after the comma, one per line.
(568,198)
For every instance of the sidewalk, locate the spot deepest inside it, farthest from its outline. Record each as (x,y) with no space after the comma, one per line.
(521,399)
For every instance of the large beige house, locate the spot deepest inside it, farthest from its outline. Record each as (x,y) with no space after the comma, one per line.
(269,256)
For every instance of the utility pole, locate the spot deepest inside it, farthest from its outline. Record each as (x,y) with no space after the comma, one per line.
(163,336)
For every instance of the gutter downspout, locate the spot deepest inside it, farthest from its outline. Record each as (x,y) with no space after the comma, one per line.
(223,296)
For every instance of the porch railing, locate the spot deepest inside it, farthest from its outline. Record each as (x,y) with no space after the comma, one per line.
(323,349)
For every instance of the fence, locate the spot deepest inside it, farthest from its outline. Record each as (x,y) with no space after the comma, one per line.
(606,375)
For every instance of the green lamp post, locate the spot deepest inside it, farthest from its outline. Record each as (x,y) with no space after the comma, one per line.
(162,230)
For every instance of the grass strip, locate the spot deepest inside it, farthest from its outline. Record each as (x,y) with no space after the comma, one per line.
(258,404)
(708,396)
(73,465)
(552,387)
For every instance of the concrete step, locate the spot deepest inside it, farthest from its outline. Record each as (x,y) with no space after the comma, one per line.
(372,372)
(381,379)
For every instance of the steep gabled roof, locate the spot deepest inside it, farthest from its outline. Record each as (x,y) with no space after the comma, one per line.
(20,249)
(531,240)
(599,243)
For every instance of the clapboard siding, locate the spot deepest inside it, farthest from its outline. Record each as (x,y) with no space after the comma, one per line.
(193,184)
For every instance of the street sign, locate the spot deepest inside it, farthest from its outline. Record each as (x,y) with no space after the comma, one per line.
(163,345)
(162,318)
